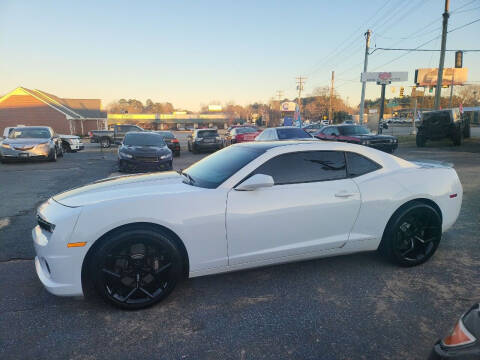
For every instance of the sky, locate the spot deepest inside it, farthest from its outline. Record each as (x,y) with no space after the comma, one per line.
(192,53)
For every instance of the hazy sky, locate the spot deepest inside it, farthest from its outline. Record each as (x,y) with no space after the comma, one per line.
(192,52)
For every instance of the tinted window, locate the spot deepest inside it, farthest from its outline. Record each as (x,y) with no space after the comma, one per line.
(25,133)
(218,167)
(146,139)
(353,130)
(292,133)
(207,133)
(331,130)
(301,167)
(245,130)
(359,165)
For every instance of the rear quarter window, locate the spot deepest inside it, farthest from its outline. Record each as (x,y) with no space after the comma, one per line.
(358,165)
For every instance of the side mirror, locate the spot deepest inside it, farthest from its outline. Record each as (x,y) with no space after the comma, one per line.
(257,181)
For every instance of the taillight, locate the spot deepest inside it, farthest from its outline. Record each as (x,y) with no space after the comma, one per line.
(459,336)
(174,140)
(90,134)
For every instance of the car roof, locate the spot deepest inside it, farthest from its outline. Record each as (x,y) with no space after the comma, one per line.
(142,133)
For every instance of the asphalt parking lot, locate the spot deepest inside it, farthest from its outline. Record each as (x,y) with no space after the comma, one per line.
(350,307)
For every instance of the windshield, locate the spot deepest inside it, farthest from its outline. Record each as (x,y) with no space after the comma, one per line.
(353,130)
(166,134)
(292,133)
(245,130)
(207,133)
(29,133)
(147,139)
(213,170)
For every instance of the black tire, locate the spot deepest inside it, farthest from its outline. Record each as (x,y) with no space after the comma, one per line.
(53,156)
(135,268)
(458,137)
(60,152)
(466,129)
(194,149)
(412,234)
(176,153)
(66,147)
(105,142)
(420,140)
(189,147)
(121,166)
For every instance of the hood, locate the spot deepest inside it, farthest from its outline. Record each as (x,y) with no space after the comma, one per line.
(125,187)
(69,136)
(371,136)
(145,149)
(28,141)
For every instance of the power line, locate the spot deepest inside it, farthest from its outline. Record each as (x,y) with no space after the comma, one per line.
(407,49)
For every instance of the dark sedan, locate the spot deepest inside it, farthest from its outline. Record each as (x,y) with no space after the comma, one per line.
(31,142)
(204,139)
(357,134)
(144,151)
(171,141)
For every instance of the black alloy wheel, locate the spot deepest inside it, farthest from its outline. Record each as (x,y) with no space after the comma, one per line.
(105,143)
(66,147)
(412,235)
(136,269)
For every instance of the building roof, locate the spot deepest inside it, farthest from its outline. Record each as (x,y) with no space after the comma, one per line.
(72,108)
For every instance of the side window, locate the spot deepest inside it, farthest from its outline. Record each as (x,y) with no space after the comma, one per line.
(303,167)
(335,131)
(327,131)
(359,165)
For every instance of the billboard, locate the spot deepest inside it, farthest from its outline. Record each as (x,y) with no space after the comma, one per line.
(384,77)
(428,76)
(214,107)
(288,106)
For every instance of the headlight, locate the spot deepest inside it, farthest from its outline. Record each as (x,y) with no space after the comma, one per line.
(365,142)
(163,157)
(198,139)
(125,155)
(218,138)
(5,146)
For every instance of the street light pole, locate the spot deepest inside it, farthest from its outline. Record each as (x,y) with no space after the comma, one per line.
(365,66)
(438,90)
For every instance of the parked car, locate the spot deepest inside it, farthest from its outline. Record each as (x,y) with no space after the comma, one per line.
(325,122)
(357,134)
(243,125)
(463,343)
(171,141)
(133,238)
(144,150)
(31,142)
(312,128)
(284,133)
(71,143)
(441,124)
(349,122)
(240,134)
(204,139)
(114,134)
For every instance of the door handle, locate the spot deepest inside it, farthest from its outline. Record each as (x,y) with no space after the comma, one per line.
(344,194)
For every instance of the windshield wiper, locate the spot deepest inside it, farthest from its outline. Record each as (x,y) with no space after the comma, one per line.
(190,179)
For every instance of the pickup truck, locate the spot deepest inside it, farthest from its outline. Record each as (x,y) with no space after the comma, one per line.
(114,134)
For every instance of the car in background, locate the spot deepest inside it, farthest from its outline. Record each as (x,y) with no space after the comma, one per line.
(242,125)
(349,122)
(357,134)
(248,205)
(325,122)
(240,134)
(284,133)
(144,151)
(204,140)
(71,143)
(31,143)
(313,128)
(114,134)
(171,141)
(463,342)
(441,124)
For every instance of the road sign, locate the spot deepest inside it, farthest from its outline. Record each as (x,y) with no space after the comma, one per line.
(384,77)
(401,92)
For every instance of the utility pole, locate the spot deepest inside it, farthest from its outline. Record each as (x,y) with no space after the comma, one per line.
(330,109)
(279,95)
(451,89)
(365,65)
(382,109)
(438,90)
(300,82)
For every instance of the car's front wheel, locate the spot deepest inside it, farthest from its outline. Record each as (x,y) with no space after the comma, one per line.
(412,234)
(53,155)
(136,268)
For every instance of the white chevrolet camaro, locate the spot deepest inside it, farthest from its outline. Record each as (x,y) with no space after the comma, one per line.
(132,238)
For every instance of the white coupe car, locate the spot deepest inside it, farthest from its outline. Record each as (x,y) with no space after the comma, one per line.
(132,238)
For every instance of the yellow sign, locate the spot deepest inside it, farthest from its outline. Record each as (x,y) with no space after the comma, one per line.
(428,77)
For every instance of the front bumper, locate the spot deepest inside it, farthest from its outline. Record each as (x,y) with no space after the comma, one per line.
(58,267)
(34,153)
(77,146)
(384,146)
(136,164)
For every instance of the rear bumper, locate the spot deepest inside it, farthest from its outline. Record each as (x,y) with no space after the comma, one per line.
(174,147)
(207,146)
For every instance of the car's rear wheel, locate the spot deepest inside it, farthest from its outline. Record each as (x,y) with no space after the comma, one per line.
(412,234)
(420,140)
(458,137)
(136,268)
(105,143)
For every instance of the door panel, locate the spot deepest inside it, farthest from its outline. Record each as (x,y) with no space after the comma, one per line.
(290,219)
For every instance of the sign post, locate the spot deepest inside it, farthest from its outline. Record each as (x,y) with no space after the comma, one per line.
(383,79)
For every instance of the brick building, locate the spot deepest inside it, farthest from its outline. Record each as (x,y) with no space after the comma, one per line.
(23,106)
